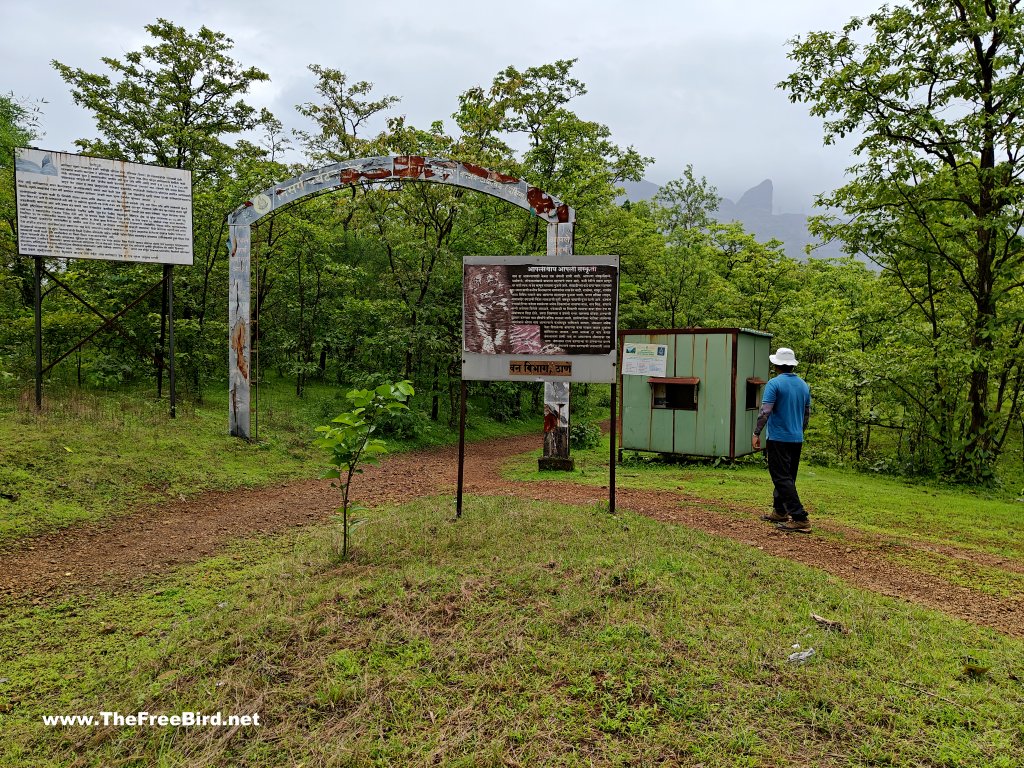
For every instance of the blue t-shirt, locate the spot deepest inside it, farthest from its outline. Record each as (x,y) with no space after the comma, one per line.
(792,398)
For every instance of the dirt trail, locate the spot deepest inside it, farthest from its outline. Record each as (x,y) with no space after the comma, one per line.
(127,549)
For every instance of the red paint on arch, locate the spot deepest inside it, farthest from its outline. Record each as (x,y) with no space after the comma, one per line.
(540,201)
(485,173)
(352,175)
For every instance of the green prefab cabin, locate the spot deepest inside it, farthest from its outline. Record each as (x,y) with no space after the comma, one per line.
(691,391)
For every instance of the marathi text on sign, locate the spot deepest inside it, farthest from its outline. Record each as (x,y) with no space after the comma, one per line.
(539,368)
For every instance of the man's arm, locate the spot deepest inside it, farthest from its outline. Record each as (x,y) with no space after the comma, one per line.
(762,419)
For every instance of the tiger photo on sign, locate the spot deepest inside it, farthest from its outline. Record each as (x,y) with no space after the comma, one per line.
(487,319)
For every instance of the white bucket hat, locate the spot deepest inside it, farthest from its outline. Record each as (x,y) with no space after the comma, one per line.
(783,356)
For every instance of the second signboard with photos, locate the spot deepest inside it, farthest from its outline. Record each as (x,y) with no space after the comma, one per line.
(537,318)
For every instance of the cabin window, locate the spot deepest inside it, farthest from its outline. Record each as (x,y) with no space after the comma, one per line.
(754,390)
(674,394)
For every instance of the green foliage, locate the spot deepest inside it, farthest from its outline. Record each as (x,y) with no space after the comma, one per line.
(366,280)
(933,92)
(505,399)
(175,102)
(583,433)
(915,370)
(340,116)
(686,204)
(407,425)
(348,440)
(170,103)
(19,124)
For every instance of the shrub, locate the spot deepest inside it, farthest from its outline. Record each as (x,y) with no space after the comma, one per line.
(583,434)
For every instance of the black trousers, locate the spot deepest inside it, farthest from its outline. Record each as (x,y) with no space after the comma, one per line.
(783,463)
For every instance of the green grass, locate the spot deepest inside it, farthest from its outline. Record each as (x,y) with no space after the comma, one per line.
(524,634)
(94,454)
(875,504)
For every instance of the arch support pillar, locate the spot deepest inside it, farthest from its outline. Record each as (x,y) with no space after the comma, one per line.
(239,330)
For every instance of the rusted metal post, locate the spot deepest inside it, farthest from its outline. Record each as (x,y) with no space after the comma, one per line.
(557,455)
(238,330)
(169,293)
(611,457)
(556,428)
(39,331)
(462,448)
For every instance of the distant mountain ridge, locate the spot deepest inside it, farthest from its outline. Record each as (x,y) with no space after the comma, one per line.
(754,210)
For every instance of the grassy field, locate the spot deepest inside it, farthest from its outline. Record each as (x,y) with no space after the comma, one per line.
(525,634)
(896,514)
(93,454)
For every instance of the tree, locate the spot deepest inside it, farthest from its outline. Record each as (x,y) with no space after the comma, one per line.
(171,103)
(682,276)
(19,124)
(340,117)
(686,203)
(761,279)
(176,103)
(934,91)
(839,320)
(567,156)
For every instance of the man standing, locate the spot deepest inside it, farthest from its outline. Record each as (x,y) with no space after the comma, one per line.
(785,408)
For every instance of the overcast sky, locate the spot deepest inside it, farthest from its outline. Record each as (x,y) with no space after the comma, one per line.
(684,81)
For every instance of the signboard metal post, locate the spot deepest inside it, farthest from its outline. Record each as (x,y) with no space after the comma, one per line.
(611,456)
(169,279)
(462,448)
(39,330)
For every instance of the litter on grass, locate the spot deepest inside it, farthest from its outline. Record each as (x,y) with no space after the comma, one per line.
(800,657)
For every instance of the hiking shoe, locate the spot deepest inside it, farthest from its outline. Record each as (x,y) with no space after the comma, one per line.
(776,517)
(795,526)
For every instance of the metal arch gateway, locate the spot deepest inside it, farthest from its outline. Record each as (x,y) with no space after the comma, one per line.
(559,217)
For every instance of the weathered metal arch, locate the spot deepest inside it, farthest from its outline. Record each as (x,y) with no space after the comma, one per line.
(558,216)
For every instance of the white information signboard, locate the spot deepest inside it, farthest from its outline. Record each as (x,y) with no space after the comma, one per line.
(644,359)
(74,206)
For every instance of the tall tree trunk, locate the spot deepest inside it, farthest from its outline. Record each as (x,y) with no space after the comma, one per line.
(409,348)
(435,405)
(300,346)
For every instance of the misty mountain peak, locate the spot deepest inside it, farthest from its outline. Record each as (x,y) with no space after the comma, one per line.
(757,199)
